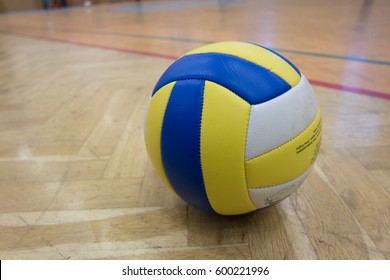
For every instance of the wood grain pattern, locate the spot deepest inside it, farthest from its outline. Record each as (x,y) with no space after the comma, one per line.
(75,179)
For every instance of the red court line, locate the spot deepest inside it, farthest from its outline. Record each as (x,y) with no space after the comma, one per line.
(361,91)
(366,92)
(40,37)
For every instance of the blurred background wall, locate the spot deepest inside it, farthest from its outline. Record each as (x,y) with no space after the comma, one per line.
(24,5)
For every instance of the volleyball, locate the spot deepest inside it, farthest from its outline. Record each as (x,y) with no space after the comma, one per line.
(232,127)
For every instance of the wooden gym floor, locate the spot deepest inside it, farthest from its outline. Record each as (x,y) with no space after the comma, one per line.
(75,179)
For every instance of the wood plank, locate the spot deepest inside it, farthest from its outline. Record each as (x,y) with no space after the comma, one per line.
(136,228)
(207,229)
(365,198)
(372,158)
(97,194)
(19,196)
(383,178)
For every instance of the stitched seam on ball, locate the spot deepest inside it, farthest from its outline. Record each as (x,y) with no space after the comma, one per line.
(161,157)
(258,65)
(300,132)
(189,79)
(200,139)
(184,79)
(244,165)
(280,56)
(272,186)
(318,111)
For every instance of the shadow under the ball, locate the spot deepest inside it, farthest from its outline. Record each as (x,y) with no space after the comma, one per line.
(210,229)
(267,235)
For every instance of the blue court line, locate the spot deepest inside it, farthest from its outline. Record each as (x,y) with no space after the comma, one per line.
(350,58)
(371,93)
(141,7)
(191,40)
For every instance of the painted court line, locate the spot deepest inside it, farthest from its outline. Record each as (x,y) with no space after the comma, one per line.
(39,37)
(360,91)
(192,40)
